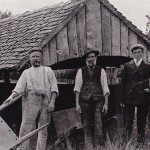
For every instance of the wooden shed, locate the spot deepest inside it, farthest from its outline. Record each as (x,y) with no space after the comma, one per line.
(63,32)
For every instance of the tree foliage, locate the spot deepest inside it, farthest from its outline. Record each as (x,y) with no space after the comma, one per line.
(148,25)
(5,14)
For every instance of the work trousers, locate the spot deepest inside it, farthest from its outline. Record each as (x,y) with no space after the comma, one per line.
(92,123)
(129,112)
(35,107)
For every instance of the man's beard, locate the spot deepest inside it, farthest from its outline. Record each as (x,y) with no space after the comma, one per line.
(91,64)
(36,64)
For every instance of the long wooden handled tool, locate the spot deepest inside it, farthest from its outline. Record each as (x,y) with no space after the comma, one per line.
(26,137)
(4,105)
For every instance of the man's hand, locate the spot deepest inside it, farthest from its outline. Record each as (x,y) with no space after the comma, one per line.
(105,108)
(78,109)
(147,90)
(51,107)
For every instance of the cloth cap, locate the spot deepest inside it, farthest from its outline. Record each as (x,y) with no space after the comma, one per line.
(136,46)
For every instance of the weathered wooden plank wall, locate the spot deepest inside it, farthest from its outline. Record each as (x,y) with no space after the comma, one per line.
(106,31)
(46,54)
(81,31)
(62,44)
(115,25)
(72,38)
(93,26)
(132,41)
(148,53)
(52,50)
(124,40)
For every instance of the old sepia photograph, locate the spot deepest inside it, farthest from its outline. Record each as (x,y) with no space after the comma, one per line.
(74,74)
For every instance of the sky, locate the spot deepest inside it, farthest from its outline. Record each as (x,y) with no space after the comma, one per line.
(133,10)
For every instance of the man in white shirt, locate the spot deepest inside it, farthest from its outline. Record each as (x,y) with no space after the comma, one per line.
(40,84)
(91,93)
(135,88)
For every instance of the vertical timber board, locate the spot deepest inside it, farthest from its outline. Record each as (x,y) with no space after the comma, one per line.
(7,137)
(124,40)
(72,38)
(62,45)
(148,53)
(93,25)
(52,51)
(132,41)
(141,41)
(81,31)
(46,56)
(115,23)
(106,31)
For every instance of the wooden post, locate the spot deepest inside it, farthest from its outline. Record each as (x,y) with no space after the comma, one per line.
(81,31)
(93,22)
(124,40)
(72,38)
(115,24)
(6,77)
(106,31)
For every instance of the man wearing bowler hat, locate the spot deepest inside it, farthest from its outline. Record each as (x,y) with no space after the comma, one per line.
(135,89)
(91,93)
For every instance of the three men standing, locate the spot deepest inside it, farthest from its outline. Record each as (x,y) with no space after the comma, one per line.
(135,88)
(40,84)
(91,93)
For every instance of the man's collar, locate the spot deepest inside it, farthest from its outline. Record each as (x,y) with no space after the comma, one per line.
(138,62)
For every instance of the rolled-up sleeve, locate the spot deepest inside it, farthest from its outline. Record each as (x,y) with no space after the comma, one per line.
(53,82)
(104,82)
(21,84)
(78,81)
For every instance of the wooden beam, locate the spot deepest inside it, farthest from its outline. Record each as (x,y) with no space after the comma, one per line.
(72,38)
(148,53)
(93,22)
(132,41)
(115,24)
(106,31)
(46,55)
(6,77)
(62,45)
(124,40)
(81,31)
(53,55)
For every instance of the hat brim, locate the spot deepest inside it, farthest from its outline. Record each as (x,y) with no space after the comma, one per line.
(85,55)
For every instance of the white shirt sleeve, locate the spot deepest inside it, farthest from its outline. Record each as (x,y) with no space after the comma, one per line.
(104,82)
(53,81)
(21,84)
(78,81)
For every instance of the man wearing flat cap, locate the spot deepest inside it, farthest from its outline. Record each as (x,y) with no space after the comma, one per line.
(40,84)
(135,89)
(91,93)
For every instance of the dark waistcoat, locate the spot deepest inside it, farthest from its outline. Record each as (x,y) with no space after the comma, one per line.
(135,80)
(91,87)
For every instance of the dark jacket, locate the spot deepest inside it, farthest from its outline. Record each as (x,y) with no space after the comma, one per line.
(91,87)
(134,81)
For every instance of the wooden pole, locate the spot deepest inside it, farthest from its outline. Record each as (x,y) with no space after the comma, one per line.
(4,105)
(26,137)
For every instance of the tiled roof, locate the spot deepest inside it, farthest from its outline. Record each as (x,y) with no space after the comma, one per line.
(19,34)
